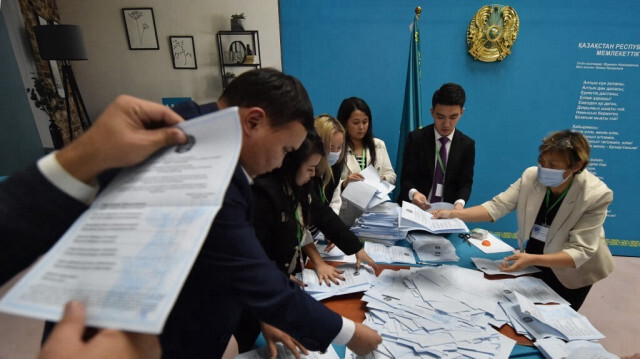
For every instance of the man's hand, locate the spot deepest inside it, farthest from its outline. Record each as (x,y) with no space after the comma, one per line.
(126,133)
(66,341)
(421,201)
(458,206)
(364,340)
(362,256)
(272,335)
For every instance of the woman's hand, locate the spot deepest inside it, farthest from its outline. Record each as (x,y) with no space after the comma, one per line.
(296,280)
(520,261)
(329,246)
(351,178)
(442,213)
(328,274)
(362,256)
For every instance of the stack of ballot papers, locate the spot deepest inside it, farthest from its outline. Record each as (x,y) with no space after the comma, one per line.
(491,267)
(394,254)
(413,217)
(380,224)
(432,248)
(369,192)
(355,280)
(445,311)
(285,353)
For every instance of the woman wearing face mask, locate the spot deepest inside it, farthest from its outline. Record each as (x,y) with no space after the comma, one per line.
(323,185)
(561,208)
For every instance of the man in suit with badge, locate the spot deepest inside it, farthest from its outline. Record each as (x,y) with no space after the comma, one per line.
(438,160)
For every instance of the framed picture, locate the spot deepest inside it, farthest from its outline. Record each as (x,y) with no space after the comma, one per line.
(141,28)
(53,64)
(183,52)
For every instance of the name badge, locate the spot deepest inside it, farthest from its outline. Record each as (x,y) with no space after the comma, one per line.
(439,190)
(539,232)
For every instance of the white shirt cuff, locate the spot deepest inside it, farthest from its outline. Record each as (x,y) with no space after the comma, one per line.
(346,333)
(411,193)
(461,201)
(64,181)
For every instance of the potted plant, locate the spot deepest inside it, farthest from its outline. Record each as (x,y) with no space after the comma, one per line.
(46,98)
(228,77)
(237,22)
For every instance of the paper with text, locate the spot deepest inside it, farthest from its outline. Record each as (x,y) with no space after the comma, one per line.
(128,255)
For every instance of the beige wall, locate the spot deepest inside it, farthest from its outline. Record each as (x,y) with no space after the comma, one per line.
(113,69)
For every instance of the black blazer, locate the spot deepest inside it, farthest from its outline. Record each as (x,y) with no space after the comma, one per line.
(232,273)
(276,226)
(34,214)
(418,165)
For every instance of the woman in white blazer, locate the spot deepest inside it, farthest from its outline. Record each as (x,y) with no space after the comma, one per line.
(561,209)
(362,149)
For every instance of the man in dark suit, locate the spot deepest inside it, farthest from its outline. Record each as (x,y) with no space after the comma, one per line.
(438,160)
(39,203)
(232,273)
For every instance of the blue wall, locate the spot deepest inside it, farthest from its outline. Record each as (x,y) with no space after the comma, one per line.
(354,48)
(19,141)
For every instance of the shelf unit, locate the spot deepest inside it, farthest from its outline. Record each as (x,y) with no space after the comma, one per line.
(232,61)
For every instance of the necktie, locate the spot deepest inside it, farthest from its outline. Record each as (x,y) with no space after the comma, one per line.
(438,177)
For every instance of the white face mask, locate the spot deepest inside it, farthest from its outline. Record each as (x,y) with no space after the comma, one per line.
(550,177)
(333,157)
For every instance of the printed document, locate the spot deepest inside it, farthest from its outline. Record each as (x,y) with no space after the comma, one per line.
(128,255)
(414,217)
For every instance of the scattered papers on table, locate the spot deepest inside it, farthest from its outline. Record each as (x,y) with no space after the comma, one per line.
(491,267)
(355,281)
(414,217)
(285,353)
(394,254)
(553,348)
(432,248)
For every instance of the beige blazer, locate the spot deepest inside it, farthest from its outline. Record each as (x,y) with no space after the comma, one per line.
(383,163)
(576,229)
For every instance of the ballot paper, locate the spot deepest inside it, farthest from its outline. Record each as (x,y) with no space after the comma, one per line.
(354,281)
(490,243)
(369,192)
(432,248)
(553,348)
(335,254)
(285,353)
(128,255)
(414,217)
(393,254)
(491,267)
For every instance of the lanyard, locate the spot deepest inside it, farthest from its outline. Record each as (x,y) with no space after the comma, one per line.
(322,196)
(562,195)
(444,171)
(364,159)
(299,231)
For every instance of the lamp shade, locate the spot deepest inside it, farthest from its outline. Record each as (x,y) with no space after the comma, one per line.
(60,42)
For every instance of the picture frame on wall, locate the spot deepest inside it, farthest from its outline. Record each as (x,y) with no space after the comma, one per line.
(53,64)
(140,27)
(183,52)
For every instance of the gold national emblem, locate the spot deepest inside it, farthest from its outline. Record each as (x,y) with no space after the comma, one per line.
(492,32)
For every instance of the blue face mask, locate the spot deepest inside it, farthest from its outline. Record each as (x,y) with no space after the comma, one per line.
(333,157)
(550,177)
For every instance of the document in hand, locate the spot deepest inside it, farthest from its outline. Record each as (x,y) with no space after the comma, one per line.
(491,267)
(354,281)
(369,192)
(414,217)
(128,255)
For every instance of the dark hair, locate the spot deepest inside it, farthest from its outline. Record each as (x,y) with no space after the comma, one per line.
(448,94)
(311,145)
(347,107)
(282,97)
(570,144)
